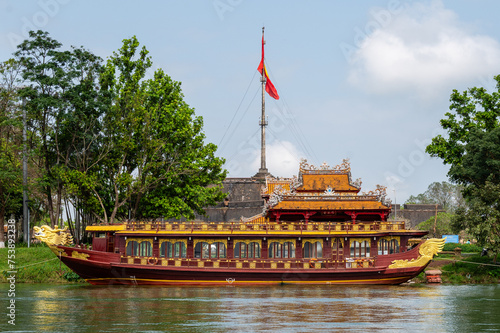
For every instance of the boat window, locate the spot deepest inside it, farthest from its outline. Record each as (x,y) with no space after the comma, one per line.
(393,246)
(173,250)
(205,250)
(313,250)
(133,248)
(145,249)
(250,250)
(388,246)
(383,247)
(281,250)
(360,249)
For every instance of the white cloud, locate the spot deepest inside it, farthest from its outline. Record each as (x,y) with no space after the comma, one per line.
(282,160)
(425,50)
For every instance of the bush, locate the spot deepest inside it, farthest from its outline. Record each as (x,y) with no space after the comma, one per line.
(471,271)
(71,276)
(466,248)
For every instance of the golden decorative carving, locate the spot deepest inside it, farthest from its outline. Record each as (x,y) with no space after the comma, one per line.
(57,251)
(427,251)
(139,241)
(247,242)
(54,236)
(359,240)
(173,241)
(312,241)
(79,255)
(210,241)
(282,241)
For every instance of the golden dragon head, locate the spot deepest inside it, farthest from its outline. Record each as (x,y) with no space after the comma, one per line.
(53,236)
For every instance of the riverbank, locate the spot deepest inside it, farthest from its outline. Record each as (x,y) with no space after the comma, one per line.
(39,265)
(35,265)
(467,268)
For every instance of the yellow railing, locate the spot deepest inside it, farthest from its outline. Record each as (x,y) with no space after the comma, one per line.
(269,227)
(307,263)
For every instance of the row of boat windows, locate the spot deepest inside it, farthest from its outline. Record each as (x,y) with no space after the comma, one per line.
(252,250)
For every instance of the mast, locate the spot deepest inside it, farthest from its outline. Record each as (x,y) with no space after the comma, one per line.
(263,172)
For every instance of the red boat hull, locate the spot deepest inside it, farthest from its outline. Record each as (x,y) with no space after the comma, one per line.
(107,273)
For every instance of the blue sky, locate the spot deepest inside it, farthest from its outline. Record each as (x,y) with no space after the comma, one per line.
(364,80)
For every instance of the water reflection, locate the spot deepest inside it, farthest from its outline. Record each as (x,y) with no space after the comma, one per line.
(86,308)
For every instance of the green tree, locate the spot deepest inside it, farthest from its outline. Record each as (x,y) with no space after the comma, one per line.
(10,143)
(44,72)
(472,150)
(437,226)
(64,103)
(156,162)
(449,196)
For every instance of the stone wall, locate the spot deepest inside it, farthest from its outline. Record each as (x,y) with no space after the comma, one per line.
(415,213)
(244,200)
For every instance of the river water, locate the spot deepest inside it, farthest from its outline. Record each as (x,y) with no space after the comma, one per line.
(287,308)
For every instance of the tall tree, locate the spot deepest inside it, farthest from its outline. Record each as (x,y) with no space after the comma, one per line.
(64,103)
(156,164)
(10,143)
(472,150)
(45,80)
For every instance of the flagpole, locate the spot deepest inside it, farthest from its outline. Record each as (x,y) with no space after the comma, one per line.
(263,172)
(263,122)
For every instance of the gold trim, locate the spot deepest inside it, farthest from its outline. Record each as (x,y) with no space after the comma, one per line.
(389,238)
(139,241)
(92,228)
(173,241)
(427,251)
(210,241)
(312,241)
(281,241)
(57,251)
(359,240)
(78,255)
(247,242)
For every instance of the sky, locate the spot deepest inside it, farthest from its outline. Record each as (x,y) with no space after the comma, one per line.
(365,80)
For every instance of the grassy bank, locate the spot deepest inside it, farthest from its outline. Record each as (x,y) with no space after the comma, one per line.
(468,268)
(36,265)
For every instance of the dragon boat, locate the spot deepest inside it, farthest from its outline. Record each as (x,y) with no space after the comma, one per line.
(316,228)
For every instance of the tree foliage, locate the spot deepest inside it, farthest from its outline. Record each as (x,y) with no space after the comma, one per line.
(437,226)
(472,149)
(449,196)
(10,143)
(109,142)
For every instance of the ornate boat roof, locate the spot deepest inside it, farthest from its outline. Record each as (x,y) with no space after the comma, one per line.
(326,191)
